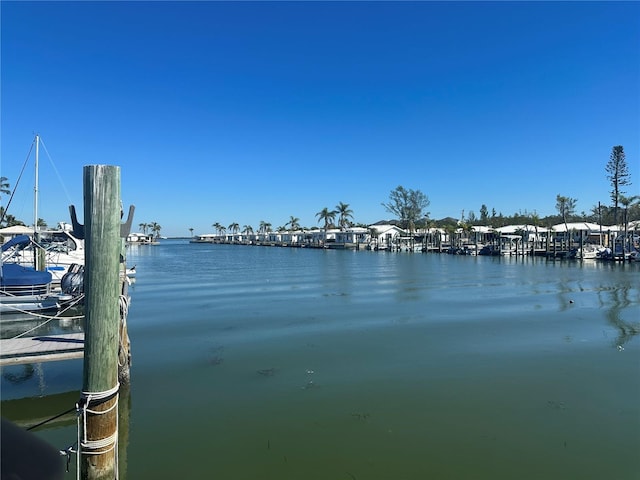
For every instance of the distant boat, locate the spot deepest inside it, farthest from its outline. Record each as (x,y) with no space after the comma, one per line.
(141,239)
(506,245)
(588,251)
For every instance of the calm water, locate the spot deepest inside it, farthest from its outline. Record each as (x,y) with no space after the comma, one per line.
(275,363)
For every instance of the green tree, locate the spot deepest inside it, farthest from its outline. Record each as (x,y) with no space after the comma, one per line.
(407,206)
(8,220)
(4,186)
(627,203)
(472,217)
(265,227)
(484,214)
(294,223)
(327,216)
(234,227)
(566,207)
(344,214)
(155,229)
(217,226)
(618,174)
(143,227)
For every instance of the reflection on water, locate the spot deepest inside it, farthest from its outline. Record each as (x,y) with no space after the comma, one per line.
(293,363)
(619,311)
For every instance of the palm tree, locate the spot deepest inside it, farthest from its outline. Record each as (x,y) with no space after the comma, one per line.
(327,216)
(293,223)
(9,220)
(344,214)
(234,227)
(626,202)
(143,227)
(217,226)
(191,231)
(4,186)
(265,227)
(155,229)
(247,230)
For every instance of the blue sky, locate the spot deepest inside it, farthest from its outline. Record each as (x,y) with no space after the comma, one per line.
(244,112)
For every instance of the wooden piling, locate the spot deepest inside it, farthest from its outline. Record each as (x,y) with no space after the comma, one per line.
(99,399)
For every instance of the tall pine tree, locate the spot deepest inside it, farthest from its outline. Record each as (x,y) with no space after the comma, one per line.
(618,174)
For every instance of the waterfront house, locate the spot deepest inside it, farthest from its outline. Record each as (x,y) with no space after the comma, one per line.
(385,236)
(590,232)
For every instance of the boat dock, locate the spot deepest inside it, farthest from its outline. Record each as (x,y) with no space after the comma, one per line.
(45,348)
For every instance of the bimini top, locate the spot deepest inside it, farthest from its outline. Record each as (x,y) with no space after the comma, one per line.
(21,240)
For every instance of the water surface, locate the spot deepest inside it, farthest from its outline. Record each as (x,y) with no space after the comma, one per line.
(263,362)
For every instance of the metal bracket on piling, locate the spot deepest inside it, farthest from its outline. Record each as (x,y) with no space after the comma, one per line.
(125,228)
(78,228)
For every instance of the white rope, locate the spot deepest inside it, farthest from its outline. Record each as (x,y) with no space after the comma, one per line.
(84,408)
(124,311)
(99,395)
(124,306)
(57,316)
(111,441)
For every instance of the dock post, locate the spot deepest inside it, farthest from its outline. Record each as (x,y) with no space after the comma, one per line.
(98,405)
(581,245)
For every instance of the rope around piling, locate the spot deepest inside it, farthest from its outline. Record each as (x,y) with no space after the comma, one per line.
(107,444)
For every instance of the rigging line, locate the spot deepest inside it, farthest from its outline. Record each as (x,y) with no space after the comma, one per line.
(15,188)
(51,419)
(57,173)
(57,316)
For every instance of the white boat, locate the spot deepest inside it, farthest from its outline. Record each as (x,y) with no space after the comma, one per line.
(61,248)
(588,251)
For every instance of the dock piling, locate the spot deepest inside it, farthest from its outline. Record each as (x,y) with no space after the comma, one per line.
(98,404)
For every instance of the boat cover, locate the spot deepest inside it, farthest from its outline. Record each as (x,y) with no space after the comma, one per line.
(14,275)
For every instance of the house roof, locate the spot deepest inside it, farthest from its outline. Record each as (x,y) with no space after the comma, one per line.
(578,226)
(16,230)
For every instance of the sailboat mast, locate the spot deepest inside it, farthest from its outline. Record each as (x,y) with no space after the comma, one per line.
(35,191)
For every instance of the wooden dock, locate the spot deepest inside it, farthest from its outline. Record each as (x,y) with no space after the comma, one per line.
(44,348)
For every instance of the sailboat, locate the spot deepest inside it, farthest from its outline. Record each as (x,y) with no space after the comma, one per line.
(55,251)
(28,287)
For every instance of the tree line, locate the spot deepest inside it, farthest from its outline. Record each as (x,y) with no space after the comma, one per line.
(409,205)
(409,208)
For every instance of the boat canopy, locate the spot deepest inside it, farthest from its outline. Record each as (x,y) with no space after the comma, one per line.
(20,240)
(14,275)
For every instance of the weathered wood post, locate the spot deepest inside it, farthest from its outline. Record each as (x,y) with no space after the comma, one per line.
(99,398)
